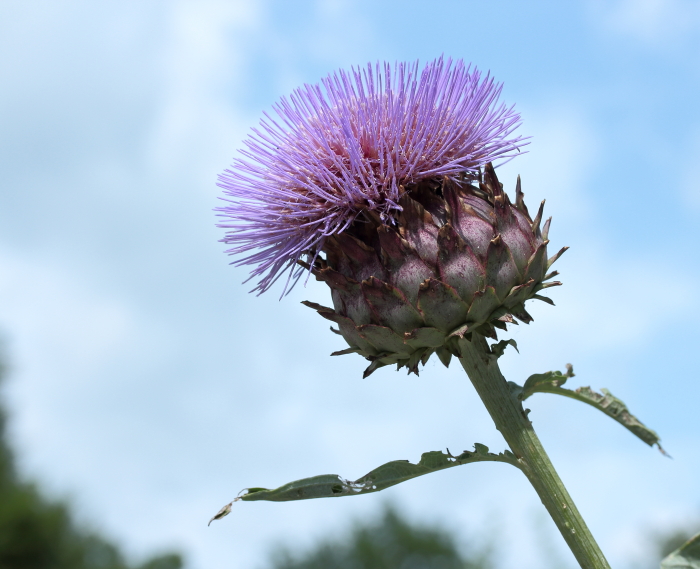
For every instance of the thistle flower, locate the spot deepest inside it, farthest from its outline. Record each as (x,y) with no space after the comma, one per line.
(385,189)
(382,185)
(337,158)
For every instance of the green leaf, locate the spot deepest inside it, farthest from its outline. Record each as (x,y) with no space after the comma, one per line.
(498,349)
(686,557)
(551,382)
(389,474)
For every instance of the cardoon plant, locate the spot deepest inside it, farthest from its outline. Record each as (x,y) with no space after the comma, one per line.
(381,182)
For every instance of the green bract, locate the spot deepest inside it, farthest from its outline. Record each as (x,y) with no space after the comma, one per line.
(459,258)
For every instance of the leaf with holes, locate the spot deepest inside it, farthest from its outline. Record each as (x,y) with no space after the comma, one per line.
(389,474)
(551,382)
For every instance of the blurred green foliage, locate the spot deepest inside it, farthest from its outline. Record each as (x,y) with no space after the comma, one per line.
(667,541)
(391,542)
(38,533)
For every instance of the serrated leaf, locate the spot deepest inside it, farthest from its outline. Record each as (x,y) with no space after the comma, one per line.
(685,557)
(551,382)
(544,381)
(389,474)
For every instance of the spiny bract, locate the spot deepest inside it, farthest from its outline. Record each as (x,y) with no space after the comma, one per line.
(459,258)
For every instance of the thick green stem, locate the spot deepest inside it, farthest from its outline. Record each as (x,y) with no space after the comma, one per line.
(507,412)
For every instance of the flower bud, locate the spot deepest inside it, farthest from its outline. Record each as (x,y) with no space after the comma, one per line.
(383,180)
(459,258)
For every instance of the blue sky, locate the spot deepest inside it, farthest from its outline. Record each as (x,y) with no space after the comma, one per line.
(150,388)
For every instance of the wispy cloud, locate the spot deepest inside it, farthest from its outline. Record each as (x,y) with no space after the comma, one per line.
(205,57)
(653,22)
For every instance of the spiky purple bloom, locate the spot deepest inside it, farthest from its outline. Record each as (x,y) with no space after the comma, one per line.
(354,146)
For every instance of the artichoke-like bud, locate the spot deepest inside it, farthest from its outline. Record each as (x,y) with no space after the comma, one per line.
(460,257)
(382,178)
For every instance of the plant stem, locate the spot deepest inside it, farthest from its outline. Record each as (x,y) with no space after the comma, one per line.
(507,412)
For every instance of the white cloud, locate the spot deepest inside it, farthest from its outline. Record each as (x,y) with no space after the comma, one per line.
(205,57)
(654,22)
(71,323)
(561,154)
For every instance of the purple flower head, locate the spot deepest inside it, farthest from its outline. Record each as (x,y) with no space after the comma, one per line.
(355,145)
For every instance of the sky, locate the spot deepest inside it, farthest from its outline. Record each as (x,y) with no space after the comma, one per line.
(149,387)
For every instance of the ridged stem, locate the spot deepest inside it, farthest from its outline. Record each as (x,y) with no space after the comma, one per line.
(507,412)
